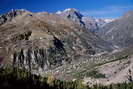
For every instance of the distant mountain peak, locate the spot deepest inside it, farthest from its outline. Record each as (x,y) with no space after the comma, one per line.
(70,9)
(67,10)
(70,12)
(58,12)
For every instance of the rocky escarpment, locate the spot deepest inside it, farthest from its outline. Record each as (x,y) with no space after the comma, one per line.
(40,58)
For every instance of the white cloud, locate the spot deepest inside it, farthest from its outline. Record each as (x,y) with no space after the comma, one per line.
(108,12)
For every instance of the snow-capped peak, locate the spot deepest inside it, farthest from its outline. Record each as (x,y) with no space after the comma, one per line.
(58,12)
(69,9)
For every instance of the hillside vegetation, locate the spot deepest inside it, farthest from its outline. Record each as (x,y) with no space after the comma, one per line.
(21,79)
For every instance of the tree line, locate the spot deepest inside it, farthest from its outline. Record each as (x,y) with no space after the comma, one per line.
(15,78)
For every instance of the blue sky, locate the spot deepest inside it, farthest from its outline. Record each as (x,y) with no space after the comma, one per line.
(95,8)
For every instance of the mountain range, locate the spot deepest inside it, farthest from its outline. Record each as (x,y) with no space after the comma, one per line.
(68,45)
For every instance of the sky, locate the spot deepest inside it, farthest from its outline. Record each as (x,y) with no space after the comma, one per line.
(92,8)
